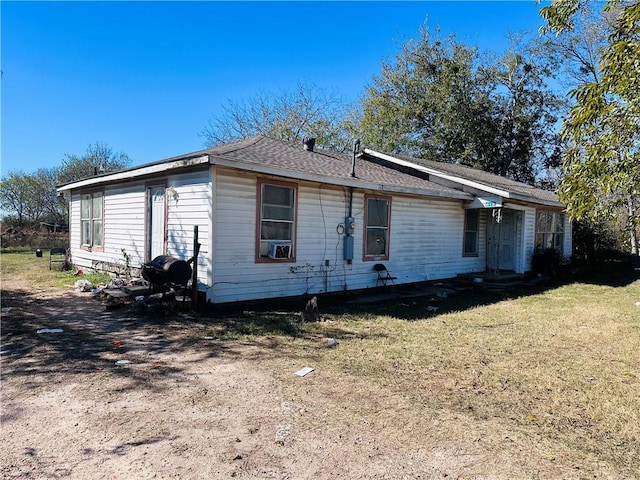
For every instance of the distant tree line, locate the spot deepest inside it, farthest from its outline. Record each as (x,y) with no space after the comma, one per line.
(28,199)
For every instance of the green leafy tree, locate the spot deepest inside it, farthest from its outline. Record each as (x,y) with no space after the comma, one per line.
(30,198)
(525,145)
(441,100)
(422,100)
(97,159)
(19,197)
(602,161)
(291,115)
(53,208)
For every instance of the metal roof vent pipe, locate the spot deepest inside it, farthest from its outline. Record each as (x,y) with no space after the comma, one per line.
(356,150)
(309,143)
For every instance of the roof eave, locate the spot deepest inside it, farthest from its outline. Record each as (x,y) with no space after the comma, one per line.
(184,162)
(537,201)
(439,174)
(203,157)
(463,181)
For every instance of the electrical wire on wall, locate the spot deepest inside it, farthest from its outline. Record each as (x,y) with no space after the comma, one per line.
(340,229)
(324,223)
(329,272)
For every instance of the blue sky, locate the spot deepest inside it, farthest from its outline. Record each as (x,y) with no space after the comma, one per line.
(144,77)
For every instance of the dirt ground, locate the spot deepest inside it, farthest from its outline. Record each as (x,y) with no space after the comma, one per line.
(187,406)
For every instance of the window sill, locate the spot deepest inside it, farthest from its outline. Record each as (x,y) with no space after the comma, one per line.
(275,260)
(376,258)
(89,248)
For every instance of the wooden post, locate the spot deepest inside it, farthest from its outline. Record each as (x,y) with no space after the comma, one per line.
(194,276)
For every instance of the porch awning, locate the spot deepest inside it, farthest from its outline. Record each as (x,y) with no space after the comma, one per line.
(485,202)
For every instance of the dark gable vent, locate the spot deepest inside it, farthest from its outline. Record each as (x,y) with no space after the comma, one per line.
(309,143)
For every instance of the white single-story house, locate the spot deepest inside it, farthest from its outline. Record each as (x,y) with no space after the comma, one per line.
(276,219)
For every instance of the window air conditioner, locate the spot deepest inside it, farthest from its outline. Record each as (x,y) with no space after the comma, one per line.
(279,250)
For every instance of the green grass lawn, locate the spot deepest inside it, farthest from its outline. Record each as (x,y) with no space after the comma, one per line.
(26,266)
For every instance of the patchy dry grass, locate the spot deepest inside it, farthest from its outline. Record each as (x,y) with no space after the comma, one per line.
(561,367)
(547,380)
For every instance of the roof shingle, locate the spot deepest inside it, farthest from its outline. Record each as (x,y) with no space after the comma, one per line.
(485,178)
(292,157)
(293,161)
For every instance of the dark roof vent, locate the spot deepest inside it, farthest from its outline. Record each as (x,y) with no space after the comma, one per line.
(309,143)
(356,149)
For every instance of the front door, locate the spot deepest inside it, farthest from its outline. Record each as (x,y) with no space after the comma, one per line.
(156,221)
(501,239)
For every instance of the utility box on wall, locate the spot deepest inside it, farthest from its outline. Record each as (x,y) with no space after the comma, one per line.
(347,241)
(349,225)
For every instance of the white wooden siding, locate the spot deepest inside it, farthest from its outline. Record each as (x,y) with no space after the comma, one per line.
(426,242)
(236,275)
(189,203)
(75,230)
(123,227)
(426,236)
(124,217)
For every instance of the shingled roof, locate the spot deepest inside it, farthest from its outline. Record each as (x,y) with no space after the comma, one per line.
(292,160)
(269,156)
(451,171)
(266,155)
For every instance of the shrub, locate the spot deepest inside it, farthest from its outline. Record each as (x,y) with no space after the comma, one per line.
(548,261)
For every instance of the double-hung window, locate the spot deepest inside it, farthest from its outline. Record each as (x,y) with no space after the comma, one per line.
(91,219)
(275,238)
(377,215)
(471,233)
(550,230)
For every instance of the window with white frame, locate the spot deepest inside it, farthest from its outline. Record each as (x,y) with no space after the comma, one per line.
(550,230)
(277,220)
(91,219)
(377,215)
(471,233)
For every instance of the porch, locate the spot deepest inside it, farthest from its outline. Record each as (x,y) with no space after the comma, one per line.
(502,281)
